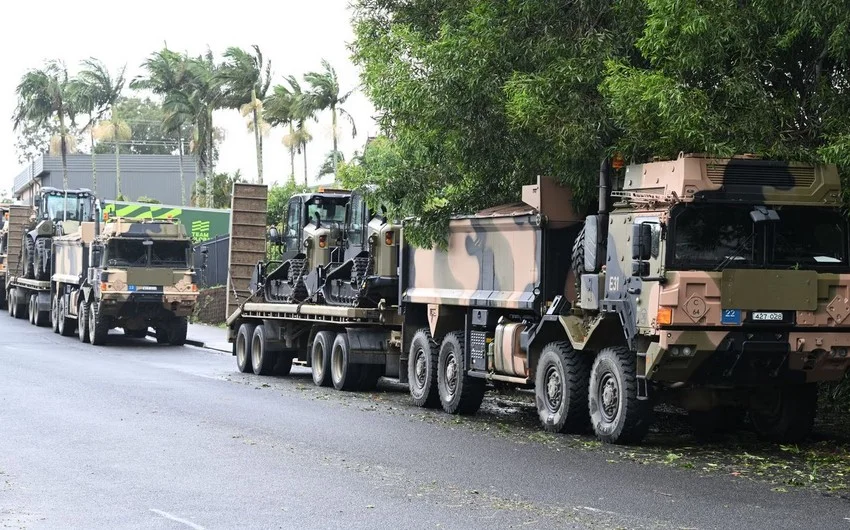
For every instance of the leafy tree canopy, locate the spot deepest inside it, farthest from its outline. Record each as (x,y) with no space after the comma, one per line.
(478,97)
(222,188)
(145,119)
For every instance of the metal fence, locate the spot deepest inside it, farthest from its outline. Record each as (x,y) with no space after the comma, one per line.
(217,261)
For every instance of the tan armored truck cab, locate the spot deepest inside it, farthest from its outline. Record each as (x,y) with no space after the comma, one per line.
(134,274)
(720,285)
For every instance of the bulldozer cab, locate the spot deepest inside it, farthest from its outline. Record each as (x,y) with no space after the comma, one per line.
(326,210)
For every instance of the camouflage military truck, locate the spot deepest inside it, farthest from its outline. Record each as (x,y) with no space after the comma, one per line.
(310,241)
(131,273)
(719,285)
(4,243)
(56,212)
(349,334)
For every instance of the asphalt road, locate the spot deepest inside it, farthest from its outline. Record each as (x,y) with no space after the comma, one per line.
(135,435)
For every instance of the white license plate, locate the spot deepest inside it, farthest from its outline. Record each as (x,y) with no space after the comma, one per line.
(767,315)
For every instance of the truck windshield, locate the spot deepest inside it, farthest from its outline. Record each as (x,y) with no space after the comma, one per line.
(169,253)
(73,207)
(713,237)
(134,253)
(330,210)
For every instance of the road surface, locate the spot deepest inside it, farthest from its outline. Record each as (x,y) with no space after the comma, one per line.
(136,435)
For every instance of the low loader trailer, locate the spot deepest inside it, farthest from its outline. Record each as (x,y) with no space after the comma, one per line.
(24,297)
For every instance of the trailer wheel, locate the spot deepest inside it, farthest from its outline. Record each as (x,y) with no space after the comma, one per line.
(243,347)
(10,302)
(422,370)
(320,357)
(262,360)
(177,331)
(785,414)
(560,388)
(98,325)
(83,321)
(616,413)
(31,309)
(3,300)
(19,309)
(459,393)
(54,313)
(345,375)
(66,323)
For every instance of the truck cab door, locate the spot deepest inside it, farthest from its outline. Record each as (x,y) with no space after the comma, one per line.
(355,225)
(292,231)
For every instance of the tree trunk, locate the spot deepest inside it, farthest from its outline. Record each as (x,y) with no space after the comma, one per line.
(258,142)
(333,130)
(63,147)
(180,154)
(211,169)
(291,153)
(306,181)
(93,161)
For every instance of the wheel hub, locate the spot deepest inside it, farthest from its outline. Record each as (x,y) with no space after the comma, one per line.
(419,368)
(451,374)
(609,392)
(553,389)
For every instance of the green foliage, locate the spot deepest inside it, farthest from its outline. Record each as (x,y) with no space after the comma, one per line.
(146,118)
(148,200)
(222,190)
(278,199)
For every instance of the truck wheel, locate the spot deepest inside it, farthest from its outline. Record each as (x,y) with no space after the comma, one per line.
(177,331)
(243,347)
(283,365)
(560,388)
(616,413)
(31,305)
(262,360)
(83,321)
(98,325)
(3,299)
(66,323)
(54,313)
(785,414)
(320,358)
(422,370)
(18,309)
(345,375)
(10,302)
(459,393)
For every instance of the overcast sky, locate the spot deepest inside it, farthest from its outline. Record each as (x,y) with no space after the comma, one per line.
(294,35)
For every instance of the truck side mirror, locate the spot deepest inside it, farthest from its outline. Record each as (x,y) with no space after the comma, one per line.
(96,254)
(274,236)
(644,240)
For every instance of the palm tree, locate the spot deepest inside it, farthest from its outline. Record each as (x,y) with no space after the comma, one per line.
(95,90)
(279,110)
(246,80)
(42,94)
(167,76)
(325,95)
(205,95)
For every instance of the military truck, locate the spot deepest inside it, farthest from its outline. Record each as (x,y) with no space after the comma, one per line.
(4,243)
(719,285)
(349,344)
(54,213)
(25,297)
(130,273)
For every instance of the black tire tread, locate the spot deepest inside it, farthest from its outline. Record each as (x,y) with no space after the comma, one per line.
(472,389)
(638,412)
(577,366)
(432,396)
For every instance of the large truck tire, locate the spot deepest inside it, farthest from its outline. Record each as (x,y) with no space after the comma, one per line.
(345,375)
(3,299)
(66,323)
(459,393)
(422,370)
(177,331)
(369,376)
(560,388)
(262,360)
(54,313)
(32,306)
(10,302)
(98,325)
(283,366)
(320,358)
(243,347)
(83,321)
(578,256)
(616,413)
(785,414)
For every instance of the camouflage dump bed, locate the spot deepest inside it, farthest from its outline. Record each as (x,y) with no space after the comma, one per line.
(494,259)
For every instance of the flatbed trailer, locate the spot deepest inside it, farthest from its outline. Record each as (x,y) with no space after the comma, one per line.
(25,298)
(348,347)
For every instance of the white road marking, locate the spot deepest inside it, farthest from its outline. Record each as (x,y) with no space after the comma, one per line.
(167,515)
